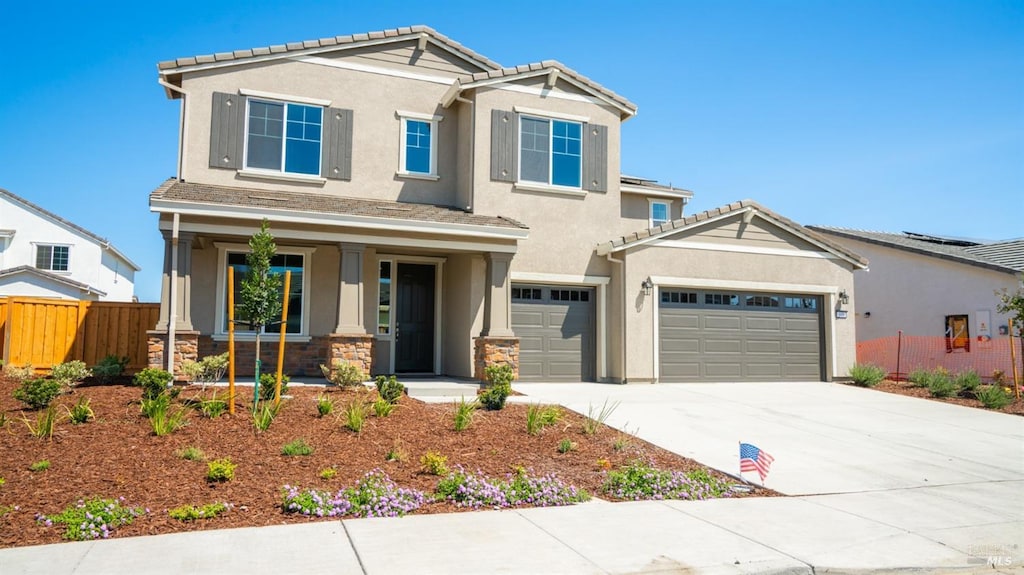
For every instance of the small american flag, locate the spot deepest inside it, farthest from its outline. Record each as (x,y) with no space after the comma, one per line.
(754,459)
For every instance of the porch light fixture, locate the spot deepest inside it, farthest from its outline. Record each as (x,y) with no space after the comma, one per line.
(844,298)
(647,285)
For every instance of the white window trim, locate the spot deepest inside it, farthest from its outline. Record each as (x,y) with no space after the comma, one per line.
(220,329)
(650,212)
(285,98)
(281,174)
(403,118)
(550,115)
(391,303)
(530,185)
(35,257)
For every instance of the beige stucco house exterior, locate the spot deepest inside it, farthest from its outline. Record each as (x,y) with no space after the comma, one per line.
(440,212)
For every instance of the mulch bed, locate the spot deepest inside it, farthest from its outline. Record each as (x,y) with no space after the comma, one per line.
(117,455)
(908,389)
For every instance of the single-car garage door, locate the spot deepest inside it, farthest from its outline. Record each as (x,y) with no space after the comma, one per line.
(738,336)
(555,327)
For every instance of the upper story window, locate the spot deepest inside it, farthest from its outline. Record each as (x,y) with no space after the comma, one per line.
(550,151)
(284,137)
(419,145)
(53,258)
(659,213)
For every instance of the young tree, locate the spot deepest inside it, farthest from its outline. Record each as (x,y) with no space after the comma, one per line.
(261,289)
(1012,304)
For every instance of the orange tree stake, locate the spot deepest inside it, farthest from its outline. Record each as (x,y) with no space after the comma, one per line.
(1013,361)
(284,328)
(231,340)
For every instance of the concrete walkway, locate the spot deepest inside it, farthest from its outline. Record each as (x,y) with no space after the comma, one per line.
(886,484)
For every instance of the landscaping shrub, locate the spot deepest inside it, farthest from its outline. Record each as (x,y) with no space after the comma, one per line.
(595,420)
(37,392)
(191,453)
(262,417)
(39,466)
(343,374)
(213,407)
(566,445)
(382,407)
(19,373)
(70,373)
(324,405)
(641,481)
(93,518)
(354,415)
(389,388)
(162,418)
(220,470)
(81,412)
(940,384)
(45,424)
(213,368)
(920,377)
(108,368)
(966,382)
(866,374)
(296,447)
(328,473)
(993,396)
(268,383)
(540,416)
(434,463)
(153,381)
(192,512)
(464,414)
(499,380)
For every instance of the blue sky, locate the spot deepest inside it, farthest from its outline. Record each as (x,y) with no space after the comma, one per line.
(886,115)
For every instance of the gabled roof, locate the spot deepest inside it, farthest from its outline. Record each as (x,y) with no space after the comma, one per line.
(998,257)
(554,70)
(103,242)
(178,196)
(332,44)
(741,207)
(52,277)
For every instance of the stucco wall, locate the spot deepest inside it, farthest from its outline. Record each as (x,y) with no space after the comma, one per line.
(914,292)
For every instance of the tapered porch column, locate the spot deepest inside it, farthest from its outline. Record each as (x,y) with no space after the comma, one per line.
(183,295)
(497,297)
(350,341)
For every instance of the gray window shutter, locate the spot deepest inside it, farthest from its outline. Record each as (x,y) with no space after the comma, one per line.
(227,127)
(595,158)
(503,145)
(336,153)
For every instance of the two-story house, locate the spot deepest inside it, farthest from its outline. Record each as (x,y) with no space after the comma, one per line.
(45,255)
(440,212)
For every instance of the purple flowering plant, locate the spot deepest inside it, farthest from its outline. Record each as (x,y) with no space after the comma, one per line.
(640,480)
(93,518)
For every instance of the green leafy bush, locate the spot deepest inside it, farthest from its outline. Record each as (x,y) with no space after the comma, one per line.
(213,368)
(220,470)
(866,374)
(19,373)
(268,384)
(108,368)
(193,512)
(324,405)
(37,392)
(343,374)
(434,463)
(296,447)
(993,396)
(153,381)
(941,385)
(39,466)
(919,377)
(389,388)
(70,373)
(93,518)
(464,414)
(328,473)
(81,412)
(566,445)
(502,374)
(164,419)
(967,382)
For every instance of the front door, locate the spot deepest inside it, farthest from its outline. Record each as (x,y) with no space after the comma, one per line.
(414,322)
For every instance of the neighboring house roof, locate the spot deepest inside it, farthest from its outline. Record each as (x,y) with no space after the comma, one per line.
(103,242)
(175,195)
(50,276)
(999,257)
(633,184)
(743,206)
(554,70)
(309,47)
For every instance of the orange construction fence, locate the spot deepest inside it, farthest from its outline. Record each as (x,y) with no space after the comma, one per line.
(928,352)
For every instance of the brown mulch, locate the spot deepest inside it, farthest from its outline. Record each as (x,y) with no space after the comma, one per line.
(117,455)
(908,389)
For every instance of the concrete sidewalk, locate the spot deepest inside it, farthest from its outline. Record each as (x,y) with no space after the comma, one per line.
(887,483)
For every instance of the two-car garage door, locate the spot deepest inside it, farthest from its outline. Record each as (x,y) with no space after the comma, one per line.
(737,336)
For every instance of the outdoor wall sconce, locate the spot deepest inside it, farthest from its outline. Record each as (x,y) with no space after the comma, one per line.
(844,298)
(647,285)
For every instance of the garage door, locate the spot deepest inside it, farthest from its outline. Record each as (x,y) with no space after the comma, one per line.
(736,336)
(555,327)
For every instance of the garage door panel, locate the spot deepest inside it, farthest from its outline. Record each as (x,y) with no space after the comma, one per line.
(556,334)
(707,342)
(570,368)
(524,318)
(567,344)
(531,344)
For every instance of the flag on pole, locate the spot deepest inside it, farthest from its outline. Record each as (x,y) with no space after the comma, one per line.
(754,459)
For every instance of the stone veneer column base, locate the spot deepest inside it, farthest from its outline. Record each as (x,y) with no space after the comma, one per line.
(356,349)
(495,351)
(186,347)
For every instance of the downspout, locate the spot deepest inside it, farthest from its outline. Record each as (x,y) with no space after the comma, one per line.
(172,314)
(181,124)
(472,153)
(622,321)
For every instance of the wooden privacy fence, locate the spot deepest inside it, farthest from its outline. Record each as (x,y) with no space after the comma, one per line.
(44,332)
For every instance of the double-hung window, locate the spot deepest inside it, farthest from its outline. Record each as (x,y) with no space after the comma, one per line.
(52,258)
(284,137)
(659,213)
(418,155)
(550,151)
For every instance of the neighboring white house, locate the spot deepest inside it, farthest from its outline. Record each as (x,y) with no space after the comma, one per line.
(44,255)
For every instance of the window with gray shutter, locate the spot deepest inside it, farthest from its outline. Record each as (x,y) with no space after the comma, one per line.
(227,130)
(503,146)
(337,144)
(595,158)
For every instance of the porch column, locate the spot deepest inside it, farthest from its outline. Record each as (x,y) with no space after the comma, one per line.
(350,290)
(497,296)
(183,306)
